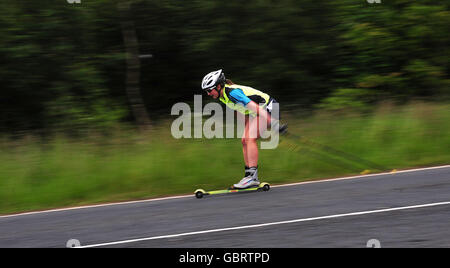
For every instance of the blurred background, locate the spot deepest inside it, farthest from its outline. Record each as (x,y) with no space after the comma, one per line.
(86,91)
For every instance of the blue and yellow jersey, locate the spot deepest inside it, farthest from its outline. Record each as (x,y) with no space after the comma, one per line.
(237,97)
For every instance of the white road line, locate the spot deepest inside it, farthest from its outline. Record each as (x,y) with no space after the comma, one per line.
(362,176)
(186,196)
(96,206)
(266,224)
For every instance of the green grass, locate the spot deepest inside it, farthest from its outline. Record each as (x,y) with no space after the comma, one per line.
(127,166)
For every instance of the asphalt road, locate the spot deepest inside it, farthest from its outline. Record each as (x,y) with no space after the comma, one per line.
(403,209)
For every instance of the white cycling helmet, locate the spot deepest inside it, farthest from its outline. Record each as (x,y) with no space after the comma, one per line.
(213,79)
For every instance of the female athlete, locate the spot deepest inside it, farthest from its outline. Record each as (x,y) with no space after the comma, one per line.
(255,106)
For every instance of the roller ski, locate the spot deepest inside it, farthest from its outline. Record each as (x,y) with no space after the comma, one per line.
(249,183)
(264,186)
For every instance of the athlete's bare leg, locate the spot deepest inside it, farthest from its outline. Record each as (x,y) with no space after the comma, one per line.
(249,142)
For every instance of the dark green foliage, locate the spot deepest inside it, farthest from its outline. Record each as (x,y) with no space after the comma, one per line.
(63,65)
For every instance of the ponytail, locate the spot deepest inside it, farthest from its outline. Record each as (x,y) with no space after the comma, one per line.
(229,82)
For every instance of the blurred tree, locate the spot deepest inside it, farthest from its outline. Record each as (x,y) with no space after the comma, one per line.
(355,99)
(133,65)
(52,73)
(65,66)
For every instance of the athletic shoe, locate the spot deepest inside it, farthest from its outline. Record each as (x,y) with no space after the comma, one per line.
(247,182)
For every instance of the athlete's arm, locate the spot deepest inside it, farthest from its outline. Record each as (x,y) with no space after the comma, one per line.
(238,96)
